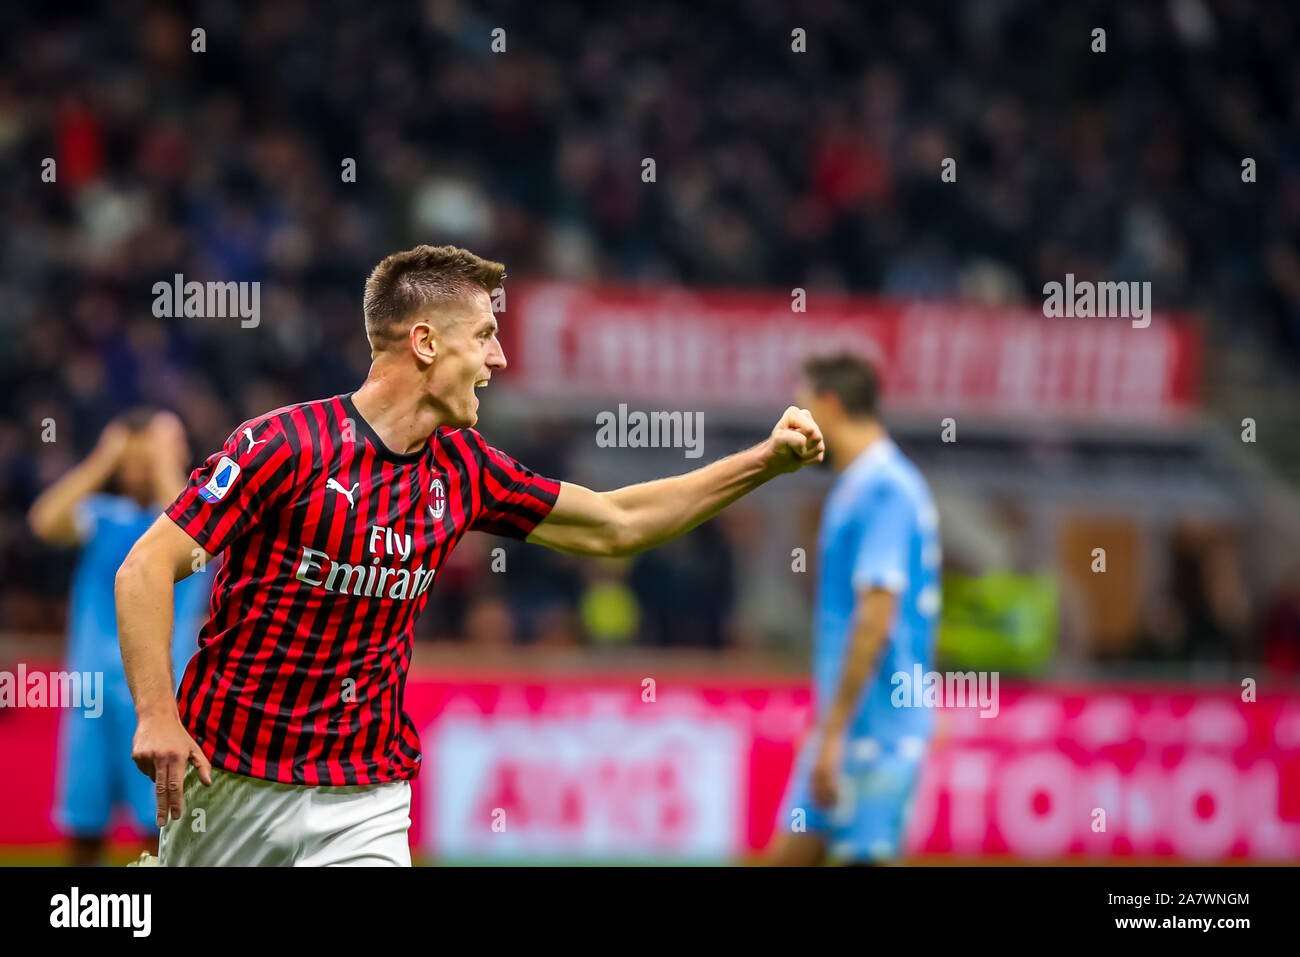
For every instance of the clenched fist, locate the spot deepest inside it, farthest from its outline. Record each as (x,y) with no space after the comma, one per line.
(796,441)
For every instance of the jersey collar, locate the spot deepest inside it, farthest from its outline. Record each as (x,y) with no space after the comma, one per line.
(384,452)
(870,457)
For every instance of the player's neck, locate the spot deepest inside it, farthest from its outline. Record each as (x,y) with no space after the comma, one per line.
(854,439)
(395,413)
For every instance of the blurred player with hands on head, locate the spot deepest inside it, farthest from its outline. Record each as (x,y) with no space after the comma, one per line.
(103,505)
(334,516)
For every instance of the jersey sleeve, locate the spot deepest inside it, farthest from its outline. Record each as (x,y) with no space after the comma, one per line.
(89,513)
(251,474)
(514,499)
(882,554)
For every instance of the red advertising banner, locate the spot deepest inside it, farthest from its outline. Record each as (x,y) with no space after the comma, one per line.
(1100,773)
(740,349)
(582,767)
(589,768)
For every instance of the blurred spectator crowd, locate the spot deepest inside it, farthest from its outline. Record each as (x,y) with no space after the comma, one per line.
(772,168)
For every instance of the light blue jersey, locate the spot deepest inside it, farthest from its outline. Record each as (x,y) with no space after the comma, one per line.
(109,525)
(879,529)
(96,772)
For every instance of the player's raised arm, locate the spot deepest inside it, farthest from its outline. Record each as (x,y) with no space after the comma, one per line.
(53,516)
(637,517)
(162,748)
(57,516)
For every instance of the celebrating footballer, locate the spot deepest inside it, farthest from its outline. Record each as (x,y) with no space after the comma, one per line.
(333,517)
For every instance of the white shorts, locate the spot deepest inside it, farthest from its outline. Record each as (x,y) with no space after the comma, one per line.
(248,822)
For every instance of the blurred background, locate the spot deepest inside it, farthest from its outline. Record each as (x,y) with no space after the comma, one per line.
(778,176)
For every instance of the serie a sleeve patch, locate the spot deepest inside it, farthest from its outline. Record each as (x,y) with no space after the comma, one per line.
(223,477)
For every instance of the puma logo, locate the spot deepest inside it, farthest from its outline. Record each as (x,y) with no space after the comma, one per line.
(342,491)
(251,444)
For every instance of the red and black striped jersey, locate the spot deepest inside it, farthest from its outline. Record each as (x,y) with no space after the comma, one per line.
(331,543)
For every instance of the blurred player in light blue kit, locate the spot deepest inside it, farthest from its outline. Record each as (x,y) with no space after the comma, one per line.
(103,505)
(851,791)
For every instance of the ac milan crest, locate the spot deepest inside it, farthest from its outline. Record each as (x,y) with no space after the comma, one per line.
(437,499)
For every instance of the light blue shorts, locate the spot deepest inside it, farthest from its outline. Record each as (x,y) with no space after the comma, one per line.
(96,773)
(877,789)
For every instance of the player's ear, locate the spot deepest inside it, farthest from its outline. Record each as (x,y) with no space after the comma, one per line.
(423,340)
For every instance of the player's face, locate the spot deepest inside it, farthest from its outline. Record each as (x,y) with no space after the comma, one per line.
(135,469)
(468,353)
(806,398)
(823,414)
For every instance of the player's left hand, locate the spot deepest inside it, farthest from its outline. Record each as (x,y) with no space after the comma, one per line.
(826,772)
(796,441)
